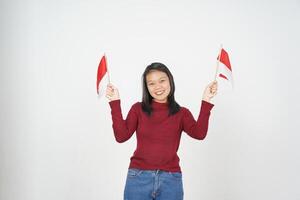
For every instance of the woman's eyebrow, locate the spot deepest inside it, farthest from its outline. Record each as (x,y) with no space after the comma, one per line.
(158,79)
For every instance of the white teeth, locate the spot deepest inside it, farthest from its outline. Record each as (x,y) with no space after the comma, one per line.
(159,93)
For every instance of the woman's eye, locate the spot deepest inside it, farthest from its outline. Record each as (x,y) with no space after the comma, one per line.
(162,80)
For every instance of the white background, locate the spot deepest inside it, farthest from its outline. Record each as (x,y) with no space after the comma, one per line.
(56,135)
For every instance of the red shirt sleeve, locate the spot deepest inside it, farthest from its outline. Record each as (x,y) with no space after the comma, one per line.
(123,129)
(197,129)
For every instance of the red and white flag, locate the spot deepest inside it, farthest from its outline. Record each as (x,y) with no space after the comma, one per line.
(102,77)
(224,69)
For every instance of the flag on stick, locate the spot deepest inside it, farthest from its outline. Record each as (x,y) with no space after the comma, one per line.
(102,76)
(224,67)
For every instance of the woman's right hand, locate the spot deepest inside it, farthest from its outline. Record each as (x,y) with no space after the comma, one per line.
(112,92)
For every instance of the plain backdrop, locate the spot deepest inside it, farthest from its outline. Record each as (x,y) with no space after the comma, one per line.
(56,137)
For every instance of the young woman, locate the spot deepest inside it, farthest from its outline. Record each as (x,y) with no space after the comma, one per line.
(154,171)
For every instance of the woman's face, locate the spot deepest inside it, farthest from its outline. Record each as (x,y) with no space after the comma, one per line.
(158,85)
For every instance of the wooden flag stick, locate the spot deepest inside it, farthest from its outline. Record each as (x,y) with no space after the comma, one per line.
(218,62)
(108,76)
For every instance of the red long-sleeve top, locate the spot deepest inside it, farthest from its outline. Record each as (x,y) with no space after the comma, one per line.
(158,136)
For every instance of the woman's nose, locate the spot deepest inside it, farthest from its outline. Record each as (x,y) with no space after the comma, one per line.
(157,86)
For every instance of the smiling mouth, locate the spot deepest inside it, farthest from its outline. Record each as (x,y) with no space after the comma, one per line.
(159,93)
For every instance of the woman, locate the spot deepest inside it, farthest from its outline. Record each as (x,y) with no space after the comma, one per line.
(154,171)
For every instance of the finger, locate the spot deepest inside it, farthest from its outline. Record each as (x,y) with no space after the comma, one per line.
(214,85)
(111,94)
(212,88)
(114,88)
(109,85)
(211,85)
(108,91)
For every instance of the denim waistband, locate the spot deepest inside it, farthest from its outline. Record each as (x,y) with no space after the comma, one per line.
(156,171)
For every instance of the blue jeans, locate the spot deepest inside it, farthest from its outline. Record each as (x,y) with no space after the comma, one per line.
(153,185)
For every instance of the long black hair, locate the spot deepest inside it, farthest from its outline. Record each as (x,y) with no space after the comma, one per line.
(174,107)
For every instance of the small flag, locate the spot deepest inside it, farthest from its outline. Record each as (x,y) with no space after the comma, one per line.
(102,76)
(224,69)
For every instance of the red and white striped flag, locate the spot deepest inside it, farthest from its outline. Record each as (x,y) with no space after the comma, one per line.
(224,69)
(102,76)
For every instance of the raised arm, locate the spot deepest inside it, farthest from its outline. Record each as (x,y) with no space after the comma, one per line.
(197,129)
(123,129)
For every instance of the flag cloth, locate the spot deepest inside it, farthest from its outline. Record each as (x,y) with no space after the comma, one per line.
(225,70)
(102,76)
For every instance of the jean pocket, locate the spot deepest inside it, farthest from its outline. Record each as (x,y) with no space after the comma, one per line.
(134,172)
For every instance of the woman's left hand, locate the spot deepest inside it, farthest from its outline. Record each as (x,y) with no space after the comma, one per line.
(210,91)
